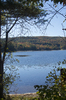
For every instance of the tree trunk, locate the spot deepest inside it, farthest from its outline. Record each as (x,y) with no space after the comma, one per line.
(1,65)
(1,80)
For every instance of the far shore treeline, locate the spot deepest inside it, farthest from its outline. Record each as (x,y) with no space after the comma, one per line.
(35,43)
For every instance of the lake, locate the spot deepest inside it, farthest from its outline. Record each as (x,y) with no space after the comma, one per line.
(33,67)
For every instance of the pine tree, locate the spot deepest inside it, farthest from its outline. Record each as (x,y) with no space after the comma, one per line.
(10,12)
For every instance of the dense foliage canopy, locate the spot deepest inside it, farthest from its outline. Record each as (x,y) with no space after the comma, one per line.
(35,43)
(20,8)
(57,1)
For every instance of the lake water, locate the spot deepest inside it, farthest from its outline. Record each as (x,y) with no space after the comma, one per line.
(33,67)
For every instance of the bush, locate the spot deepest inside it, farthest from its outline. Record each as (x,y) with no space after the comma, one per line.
(55,88)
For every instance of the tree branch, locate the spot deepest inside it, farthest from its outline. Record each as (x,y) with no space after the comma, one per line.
(57,11)
(5,48)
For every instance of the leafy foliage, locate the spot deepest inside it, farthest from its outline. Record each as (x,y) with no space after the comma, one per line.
(55,88)
(11,11)
(10,73)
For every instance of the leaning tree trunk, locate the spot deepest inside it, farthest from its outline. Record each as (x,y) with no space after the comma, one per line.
(1,65)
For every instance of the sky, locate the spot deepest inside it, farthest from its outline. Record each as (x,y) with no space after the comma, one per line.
(57,24)
(53,29)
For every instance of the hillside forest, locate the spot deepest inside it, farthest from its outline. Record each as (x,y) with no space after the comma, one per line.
(35,43)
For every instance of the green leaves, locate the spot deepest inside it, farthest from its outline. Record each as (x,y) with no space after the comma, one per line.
(11,10)
(56,88)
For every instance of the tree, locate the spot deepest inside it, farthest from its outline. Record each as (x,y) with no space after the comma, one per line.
(55,85)
(54,10)
(55,88)
(10,47)
(11,11)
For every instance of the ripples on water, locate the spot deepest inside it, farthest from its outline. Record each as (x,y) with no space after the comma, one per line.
(34,68)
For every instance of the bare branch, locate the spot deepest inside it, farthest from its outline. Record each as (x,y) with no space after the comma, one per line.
(57,11)
(12,25)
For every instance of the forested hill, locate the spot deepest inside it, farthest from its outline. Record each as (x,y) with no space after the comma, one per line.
(35,43)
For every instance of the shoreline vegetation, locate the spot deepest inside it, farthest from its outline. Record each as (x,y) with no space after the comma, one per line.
(25,96)
(39,43)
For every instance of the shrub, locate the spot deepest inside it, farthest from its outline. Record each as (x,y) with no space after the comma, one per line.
(55,88)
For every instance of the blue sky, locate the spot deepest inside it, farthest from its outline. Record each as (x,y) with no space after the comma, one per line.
(55,29)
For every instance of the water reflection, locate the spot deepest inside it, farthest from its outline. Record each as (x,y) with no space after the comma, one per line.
(34,68)
(21,55)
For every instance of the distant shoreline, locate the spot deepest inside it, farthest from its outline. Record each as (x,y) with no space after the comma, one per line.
(38,50)
(25,94)
(35,44)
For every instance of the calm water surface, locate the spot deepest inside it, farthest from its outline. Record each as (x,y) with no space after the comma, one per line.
(34,67)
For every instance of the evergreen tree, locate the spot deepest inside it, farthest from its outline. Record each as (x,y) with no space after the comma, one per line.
(10,12)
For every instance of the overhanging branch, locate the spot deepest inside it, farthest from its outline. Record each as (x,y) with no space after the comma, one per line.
(57,11)
(5,48)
